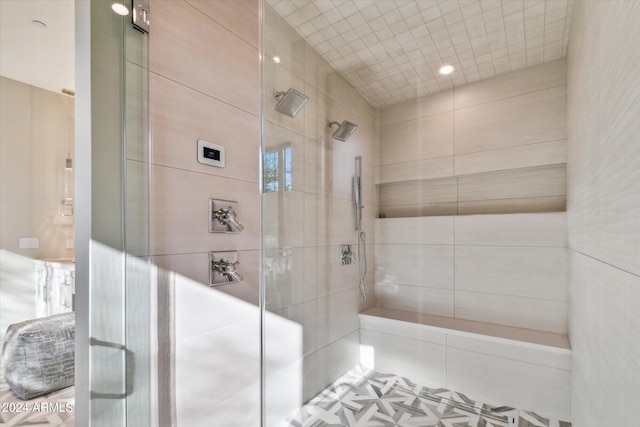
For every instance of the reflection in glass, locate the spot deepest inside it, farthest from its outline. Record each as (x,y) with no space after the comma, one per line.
(277,170)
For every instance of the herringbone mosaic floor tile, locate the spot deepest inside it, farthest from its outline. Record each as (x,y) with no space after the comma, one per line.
(368,398)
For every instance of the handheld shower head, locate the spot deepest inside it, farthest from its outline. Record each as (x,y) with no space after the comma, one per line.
(290,102)
(344,131)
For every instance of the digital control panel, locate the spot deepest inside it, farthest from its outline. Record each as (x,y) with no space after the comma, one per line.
(210,153)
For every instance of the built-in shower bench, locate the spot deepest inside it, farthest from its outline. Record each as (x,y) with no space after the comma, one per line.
(499,364)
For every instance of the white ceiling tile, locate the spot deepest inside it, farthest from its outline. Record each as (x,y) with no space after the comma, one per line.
(356,20)
(399,27)
(371,12)
(414,21)
(512,6)
(392,17)
(377,24)
(431,13)
(347,9)
(390,50)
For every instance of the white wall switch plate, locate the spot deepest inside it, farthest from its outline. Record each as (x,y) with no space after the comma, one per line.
(68,243)
(29,243)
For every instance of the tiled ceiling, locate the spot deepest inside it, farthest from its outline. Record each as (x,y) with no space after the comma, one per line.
(391,50)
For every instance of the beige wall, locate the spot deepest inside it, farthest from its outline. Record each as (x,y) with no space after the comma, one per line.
(603,173)
(36,135)
(313,300)
(506,269)
(495,146)
(35,138)
(204,84)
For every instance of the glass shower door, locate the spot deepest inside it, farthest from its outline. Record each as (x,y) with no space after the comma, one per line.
(114,339)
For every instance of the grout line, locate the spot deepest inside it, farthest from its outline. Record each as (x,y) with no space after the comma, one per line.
(605,263)
(184,85)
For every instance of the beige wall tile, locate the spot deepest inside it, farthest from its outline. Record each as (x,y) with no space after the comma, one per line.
(286,143)
(280,79)
(512,206)
(419,192)
(539,229)
(534,117)
(327,221)
(185,40)
(283,270)
(440,102)
(421,169)
(419,231)
(340,91)
(326,365)
(538,154)
(518,271)
(418,265)
(404,329)
(415,298)
(334,317)
(424,138)
(604,326)
(328,172)
(518,183)
(425,209)
(324,273)
(180,116)
(284,42)
(137,119)
(179,207)
(238,16)
(282,219)
(531,79)
(317,71)
(512,311)
(194,269)
(35,137)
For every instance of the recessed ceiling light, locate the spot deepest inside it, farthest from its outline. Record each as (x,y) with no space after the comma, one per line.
(120,9)
(446,69)
(276,59)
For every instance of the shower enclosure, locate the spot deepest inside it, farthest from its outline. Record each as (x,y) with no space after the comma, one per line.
(311,297)
(419,232)
(415,231)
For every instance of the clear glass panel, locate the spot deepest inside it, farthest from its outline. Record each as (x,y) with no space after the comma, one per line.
(311,295)
(463,188)
(114,210)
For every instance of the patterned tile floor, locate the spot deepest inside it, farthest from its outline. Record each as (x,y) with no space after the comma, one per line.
(374,399)
(55,409)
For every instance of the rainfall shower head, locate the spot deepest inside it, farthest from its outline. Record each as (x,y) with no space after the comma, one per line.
(344,131)
(290,102)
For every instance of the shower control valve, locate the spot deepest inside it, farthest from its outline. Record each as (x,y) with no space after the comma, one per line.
(224,268)
(223,216)
(347,256)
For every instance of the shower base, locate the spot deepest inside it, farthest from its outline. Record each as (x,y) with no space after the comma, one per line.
(372,398)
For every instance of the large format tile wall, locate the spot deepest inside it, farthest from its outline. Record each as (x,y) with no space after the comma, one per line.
(204,84)
(312,299)
(603,205)
(495,146)
(508,269)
